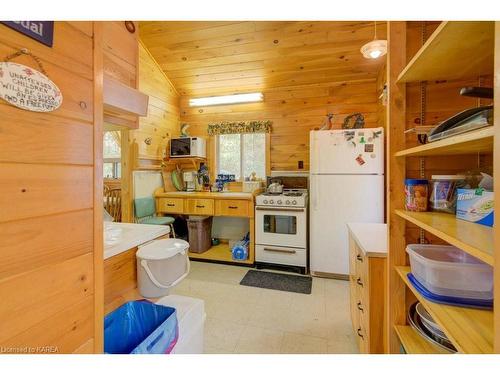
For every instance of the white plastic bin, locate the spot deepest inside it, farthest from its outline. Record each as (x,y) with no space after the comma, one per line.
(449,271)
(191,318)
(161,264)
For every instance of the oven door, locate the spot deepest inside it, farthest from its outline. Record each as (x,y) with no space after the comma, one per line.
(280,226)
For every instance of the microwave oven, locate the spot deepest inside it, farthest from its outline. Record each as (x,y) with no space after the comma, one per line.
(188,147)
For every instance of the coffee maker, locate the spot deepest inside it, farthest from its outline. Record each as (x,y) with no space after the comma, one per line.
(189,180)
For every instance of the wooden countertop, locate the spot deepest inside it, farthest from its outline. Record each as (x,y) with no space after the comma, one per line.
(370,237)
(206,195)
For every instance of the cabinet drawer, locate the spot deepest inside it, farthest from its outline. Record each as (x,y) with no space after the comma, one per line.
(199,207)
(231,207)
(171,205)
(281,255)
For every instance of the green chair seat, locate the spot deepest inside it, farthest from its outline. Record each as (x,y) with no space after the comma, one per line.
(158,220)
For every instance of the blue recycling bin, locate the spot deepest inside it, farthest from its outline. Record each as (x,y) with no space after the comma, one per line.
(140,327)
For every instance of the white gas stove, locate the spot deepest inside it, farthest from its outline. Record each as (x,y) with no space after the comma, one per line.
(289,198)
(281,227)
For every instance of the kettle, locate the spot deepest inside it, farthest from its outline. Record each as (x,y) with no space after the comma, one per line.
(275,188)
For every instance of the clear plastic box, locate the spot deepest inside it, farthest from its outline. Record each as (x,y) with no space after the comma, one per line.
(449,271)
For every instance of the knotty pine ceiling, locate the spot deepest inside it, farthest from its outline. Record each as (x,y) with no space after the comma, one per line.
(204,58)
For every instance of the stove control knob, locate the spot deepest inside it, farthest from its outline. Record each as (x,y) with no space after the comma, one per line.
(287,202)
(271,201)
(265,201)
(280,202)
(294,202)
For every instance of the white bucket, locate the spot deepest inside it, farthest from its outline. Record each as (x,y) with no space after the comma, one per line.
(161,264)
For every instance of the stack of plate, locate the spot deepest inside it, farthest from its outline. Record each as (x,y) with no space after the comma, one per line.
(422,322)
(428,322)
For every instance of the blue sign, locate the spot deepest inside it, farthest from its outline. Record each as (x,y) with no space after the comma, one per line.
(42,31)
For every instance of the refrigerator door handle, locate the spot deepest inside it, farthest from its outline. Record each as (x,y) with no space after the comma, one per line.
(315,193)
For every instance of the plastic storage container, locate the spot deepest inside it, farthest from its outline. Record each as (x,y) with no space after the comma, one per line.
(191,317)
(140,327)
(449,271)
(443,195)
(199,233)
(161,265)
(416,194)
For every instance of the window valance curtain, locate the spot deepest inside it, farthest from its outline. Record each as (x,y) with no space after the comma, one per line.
(239,127)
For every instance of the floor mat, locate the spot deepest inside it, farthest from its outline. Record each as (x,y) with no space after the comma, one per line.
(278,281)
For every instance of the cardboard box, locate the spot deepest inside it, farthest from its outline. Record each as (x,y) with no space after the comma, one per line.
(475,205)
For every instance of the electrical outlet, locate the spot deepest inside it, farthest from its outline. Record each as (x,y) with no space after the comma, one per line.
(301,164)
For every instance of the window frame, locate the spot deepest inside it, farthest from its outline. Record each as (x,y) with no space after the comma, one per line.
(267,160)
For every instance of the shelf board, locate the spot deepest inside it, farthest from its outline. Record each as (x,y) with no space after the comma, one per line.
(478,141)
(470,330)
(475,239)
(413,343)
(456,49)
(220,253)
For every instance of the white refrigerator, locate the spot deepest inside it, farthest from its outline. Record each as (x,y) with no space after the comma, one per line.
(346,185)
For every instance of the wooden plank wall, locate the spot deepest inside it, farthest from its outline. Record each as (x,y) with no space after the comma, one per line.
(294,112)
(47,193)
(443,101)
(160,124)
(163,119)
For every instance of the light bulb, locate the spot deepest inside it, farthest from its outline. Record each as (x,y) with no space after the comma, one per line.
(375,54)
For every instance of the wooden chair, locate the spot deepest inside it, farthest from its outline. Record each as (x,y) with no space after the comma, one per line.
(113,202)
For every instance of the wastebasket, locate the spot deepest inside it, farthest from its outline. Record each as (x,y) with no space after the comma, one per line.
(140,327)
(200,233)
(161,264)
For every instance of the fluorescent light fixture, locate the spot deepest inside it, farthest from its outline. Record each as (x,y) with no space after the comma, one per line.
(227,99)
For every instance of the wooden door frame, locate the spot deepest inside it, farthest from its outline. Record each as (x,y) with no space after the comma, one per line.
(98,189)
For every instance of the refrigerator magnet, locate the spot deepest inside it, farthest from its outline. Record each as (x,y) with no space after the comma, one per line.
(362,140)
(369,147)
(360,159)
(373,156)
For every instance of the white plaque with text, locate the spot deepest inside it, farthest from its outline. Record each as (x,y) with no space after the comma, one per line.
(27,88)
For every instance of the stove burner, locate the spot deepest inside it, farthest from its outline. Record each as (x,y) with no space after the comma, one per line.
(271,194)
(293,194)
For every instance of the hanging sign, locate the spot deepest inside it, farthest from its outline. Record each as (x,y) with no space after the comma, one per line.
(27,88)
(42,31)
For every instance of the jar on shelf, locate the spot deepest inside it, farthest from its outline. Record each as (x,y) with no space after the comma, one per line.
(416,194)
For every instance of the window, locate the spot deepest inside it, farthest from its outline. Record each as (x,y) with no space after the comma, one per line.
(111,155)
(241,154)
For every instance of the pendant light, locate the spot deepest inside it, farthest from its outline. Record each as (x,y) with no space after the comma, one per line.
(375,48)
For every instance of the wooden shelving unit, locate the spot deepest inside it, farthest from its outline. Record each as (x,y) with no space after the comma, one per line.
(455,50)
(479,141)
(413,343)
(477,240)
